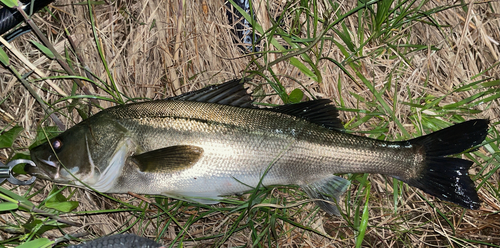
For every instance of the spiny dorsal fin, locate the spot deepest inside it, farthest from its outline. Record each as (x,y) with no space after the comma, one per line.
(231,93)
(234,93)
(319,111)
(168,159)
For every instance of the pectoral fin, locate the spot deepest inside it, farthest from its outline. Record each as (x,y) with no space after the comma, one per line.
(168,159)
(327,189)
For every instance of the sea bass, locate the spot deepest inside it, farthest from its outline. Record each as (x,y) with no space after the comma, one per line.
(212,142)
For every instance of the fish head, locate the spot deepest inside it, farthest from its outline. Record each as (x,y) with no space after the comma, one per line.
(64,158)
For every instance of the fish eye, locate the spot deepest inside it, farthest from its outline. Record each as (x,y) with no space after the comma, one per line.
(57,144)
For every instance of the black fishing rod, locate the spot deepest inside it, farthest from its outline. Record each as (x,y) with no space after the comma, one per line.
(242,28)
(10,17)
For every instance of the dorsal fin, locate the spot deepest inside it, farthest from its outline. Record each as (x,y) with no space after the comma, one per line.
(231,93)
(319,111)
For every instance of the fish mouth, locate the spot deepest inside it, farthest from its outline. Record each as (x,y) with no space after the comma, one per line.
(38,170)
(48,162)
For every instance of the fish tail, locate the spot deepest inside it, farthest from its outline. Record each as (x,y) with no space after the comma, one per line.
(447,178)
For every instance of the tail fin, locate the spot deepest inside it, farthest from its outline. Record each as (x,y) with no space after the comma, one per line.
(444,177)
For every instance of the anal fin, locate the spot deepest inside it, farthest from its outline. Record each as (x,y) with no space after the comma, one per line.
(328,189)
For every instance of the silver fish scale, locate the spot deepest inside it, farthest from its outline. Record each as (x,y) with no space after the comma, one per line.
(240,144)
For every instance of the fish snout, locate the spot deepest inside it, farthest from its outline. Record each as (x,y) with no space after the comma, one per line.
(30,169)
(35,171)
(38,170)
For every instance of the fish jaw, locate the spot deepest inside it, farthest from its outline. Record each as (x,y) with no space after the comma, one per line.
(39,171)
(48,165)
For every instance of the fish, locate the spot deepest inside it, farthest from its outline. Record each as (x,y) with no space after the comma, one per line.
(206,144)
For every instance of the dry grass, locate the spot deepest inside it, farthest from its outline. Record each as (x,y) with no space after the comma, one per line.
(156,49)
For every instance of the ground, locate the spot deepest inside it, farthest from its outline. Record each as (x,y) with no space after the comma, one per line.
(395,69)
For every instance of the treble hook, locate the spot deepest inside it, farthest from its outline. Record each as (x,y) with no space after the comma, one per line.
(6,172)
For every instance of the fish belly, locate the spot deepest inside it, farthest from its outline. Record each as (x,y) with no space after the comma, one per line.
(229,167)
